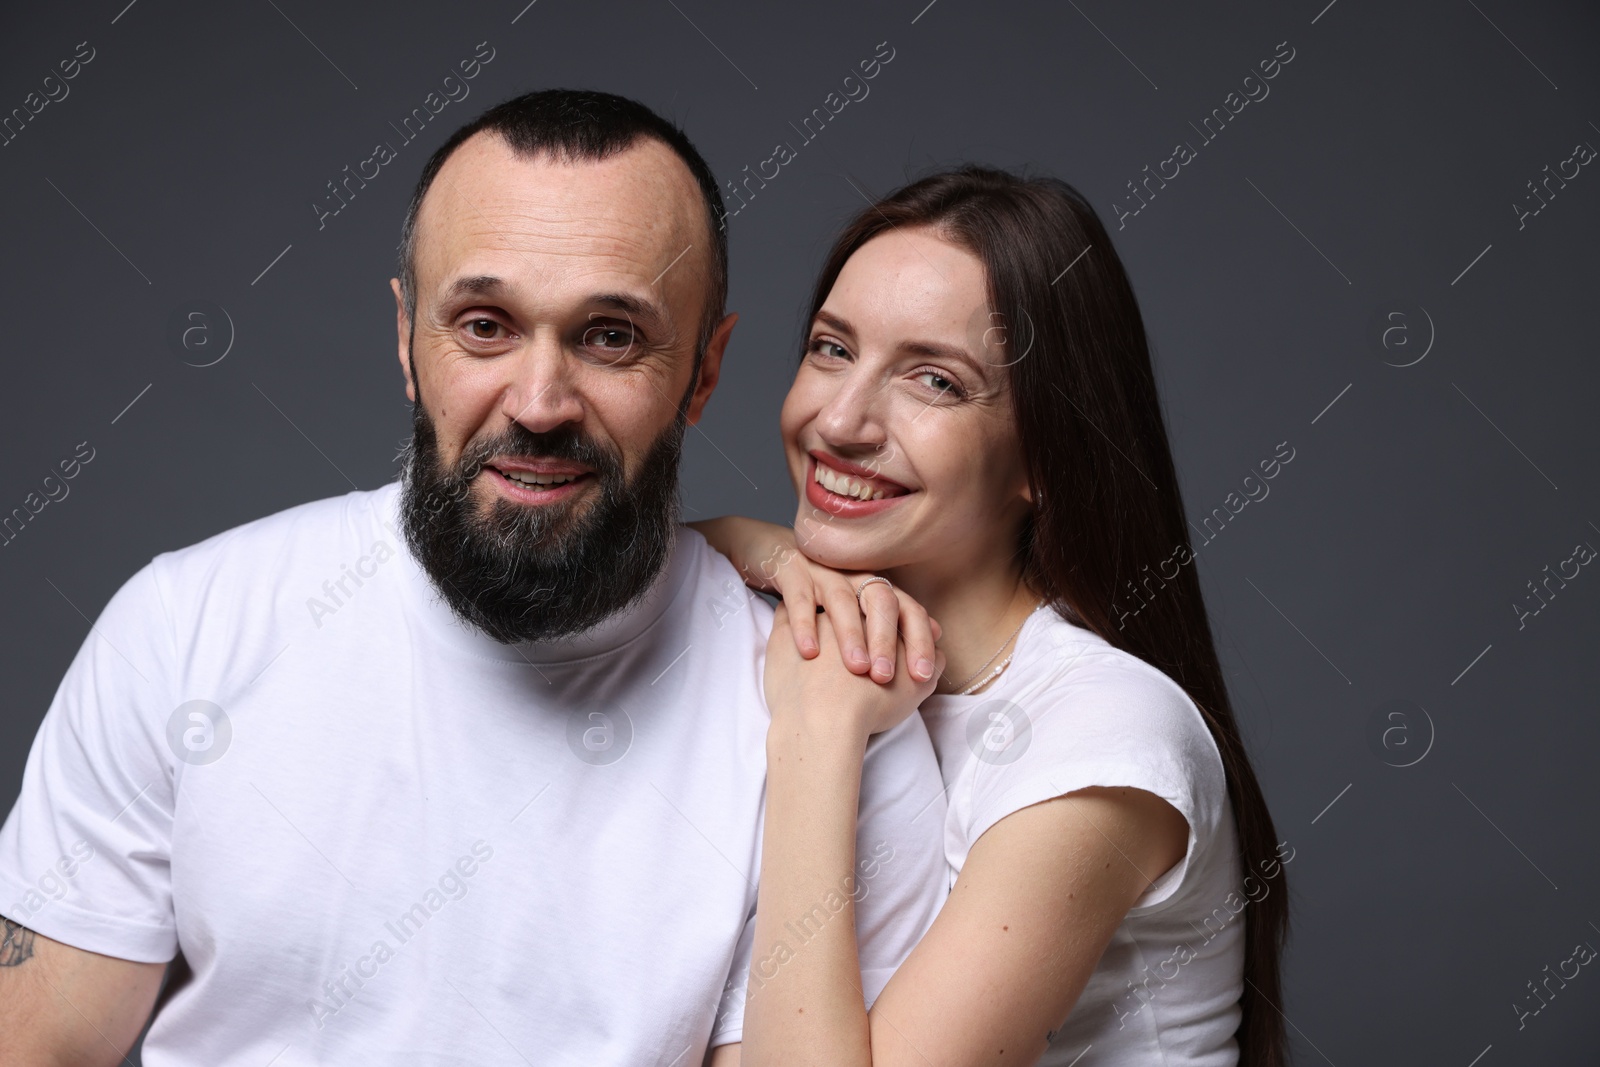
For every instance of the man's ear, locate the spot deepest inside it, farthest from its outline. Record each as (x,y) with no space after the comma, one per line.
(402,329)
(710,367)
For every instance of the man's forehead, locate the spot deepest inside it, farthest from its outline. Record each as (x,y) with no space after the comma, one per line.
(630,214)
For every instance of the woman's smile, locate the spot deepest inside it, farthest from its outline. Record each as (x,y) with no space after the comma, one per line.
(847,490)
(889,380)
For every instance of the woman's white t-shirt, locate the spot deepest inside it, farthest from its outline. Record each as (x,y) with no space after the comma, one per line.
(1073,711)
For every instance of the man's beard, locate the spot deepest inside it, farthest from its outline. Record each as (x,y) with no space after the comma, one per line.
(528,572)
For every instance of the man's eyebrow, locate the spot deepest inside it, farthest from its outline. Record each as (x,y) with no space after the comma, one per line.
(489,286)
(641,311)
(476,285)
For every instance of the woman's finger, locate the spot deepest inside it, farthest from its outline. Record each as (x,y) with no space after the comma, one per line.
(839,598)
(916,630)
(799,597)
(882,608)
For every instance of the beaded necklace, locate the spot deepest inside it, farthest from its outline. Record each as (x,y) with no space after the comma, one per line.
(963,688)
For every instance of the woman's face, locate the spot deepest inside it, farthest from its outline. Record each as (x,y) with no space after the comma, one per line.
(898,428)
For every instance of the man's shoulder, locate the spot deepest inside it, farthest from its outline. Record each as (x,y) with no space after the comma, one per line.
(715,588)
(267,546)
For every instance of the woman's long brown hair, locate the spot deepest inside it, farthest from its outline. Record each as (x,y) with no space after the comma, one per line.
(1107,511)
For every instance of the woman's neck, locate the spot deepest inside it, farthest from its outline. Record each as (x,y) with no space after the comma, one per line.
(978,611)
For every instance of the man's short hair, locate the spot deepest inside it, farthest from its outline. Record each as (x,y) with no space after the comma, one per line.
(575,125)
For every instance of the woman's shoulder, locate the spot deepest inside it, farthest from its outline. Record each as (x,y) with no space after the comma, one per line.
(1088,702)
(1057,661)
(1076,712)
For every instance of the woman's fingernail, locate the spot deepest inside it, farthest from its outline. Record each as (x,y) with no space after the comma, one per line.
(924,669)
(858,657)
(883,666)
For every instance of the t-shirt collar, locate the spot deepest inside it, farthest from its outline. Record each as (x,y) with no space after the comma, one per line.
(422,600)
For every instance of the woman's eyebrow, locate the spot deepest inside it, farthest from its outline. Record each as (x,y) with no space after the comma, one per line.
(953,353)
(936,351)
(834,322)
(920,348)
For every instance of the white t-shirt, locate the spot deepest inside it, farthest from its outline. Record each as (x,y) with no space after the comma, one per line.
(403,842)
(1073,711)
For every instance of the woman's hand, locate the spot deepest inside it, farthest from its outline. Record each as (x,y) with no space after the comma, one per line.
(887,623)
(868,634)
(820,694)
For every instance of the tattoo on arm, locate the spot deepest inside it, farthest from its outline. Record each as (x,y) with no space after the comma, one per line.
(17,948)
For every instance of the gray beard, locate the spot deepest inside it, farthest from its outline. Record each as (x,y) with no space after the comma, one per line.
(539,573)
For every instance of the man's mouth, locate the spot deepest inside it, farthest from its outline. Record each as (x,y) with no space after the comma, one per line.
(539,480)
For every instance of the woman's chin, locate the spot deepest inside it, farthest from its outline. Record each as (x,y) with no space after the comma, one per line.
(842,553)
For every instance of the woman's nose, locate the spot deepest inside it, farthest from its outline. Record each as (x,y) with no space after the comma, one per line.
(851,417)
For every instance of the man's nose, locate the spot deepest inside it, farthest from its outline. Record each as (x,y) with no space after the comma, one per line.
(541,394)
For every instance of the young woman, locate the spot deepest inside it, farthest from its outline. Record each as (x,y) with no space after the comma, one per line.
(976,436)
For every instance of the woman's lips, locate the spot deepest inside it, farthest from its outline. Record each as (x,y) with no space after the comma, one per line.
(840,504)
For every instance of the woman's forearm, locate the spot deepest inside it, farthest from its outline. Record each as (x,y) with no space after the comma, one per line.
(805,1002)
(756,549)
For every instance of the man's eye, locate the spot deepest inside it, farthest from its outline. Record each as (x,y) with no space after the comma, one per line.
(611,338)
(483,329)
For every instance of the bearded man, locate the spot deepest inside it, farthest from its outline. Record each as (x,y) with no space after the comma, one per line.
(468,768)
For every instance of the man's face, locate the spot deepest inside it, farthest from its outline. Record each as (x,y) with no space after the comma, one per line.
(557,314)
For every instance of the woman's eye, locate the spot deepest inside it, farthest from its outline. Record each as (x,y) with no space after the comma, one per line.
(829,349)
(939,383)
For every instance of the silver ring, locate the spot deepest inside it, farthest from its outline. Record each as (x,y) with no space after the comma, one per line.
(862,587)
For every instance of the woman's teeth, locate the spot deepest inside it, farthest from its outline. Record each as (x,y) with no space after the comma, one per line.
(542,481)
(845,485)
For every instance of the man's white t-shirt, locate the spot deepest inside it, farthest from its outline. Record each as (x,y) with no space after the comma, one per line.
(1073,711)
(379,836)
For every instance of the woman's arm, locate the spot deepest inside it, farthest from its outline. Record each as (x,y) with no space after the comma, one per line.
(767,558)
(1036,904)
(1038,900)
(804,1003)
(758,550)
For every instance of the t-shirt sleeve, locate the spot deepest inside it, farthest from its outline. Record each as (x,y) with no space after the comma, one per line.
(1108,720)
(85,852)
(901,877)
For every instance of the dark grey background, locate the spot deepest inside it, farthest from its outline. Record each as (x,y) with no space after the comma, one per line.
(1383,566)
